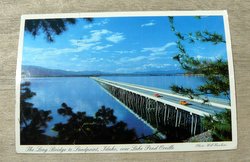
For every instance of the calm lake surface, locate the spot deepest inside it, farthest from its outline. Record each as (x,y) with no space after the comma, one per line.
(84,94)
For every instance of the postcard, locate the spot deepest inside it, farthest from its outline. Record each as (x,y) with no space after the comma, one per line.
(115,82)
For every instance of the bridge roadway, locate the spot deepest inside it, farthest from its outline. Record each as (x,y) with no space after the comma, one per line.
(194,106)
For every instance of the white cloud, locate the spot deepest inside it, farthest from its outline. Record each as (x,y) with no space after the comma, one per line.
(141,58)
(88,26)
(92,60)
(151,23)
(122,70)
(136,59)
(128,69)
(102,47)
(73,59)
(124,60)
(199,57)
(93,42)
(158,50)
(76,57)
(158,66)
(82,47)
(48,52)
(154,54)
(116,37)
(32,50)
(95,36)
(91,25)
(125,51)
(144,67)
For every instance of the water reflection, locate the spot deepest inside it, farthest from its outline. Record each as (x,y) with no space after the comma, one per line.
(82,94)
(162,82)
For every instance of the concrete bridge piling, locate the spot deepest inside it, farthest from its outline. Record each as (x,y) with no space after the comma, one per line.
(158,114)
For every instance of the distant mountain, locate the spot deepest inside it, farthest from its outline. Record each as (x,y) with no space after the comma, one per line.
(37,71)
(29,70)
(158,72)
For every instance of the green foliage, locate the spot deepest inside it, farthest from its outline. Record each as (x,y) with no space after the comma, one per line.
(202,36)
(206,36)
(214,71)
(197,17)
(50,27)
(105,116)
(84,129)
(184,91)
(79,129)
(32,120)
(217,79)
(220,125)
(153,138)
(171,20)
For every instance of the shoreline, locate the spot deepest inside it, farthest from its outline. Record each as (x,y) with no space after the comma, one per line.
(101,75)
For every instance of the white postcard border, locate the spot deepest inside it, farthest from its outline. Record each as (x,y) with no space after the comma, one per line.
(124,148)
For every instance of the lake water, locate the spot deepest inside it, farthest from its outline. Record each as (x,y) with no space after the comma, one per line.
(84,94)
(162,82)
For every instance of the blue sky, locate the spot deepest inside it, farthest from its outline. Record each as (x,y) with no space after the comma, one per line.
(122,44)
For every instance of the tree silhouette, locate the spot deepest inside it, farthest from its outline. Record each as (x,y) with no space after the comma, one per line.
(102,128)
(83,129)
(50,27)
(215,73)
(32,120)
(220,125)
(104,116)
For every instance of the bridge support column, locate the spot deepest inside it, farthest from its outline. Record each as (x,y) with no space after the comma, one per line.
(165,114)
(140,104)
(179,120)
(195,124)
(176,117)
(156,114)
(192,121)
(143,106)
(168,114)
(148,109)
(146,112)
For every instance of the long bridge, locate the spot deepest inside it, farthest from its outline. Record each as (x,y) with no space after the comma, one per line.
(163,110)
